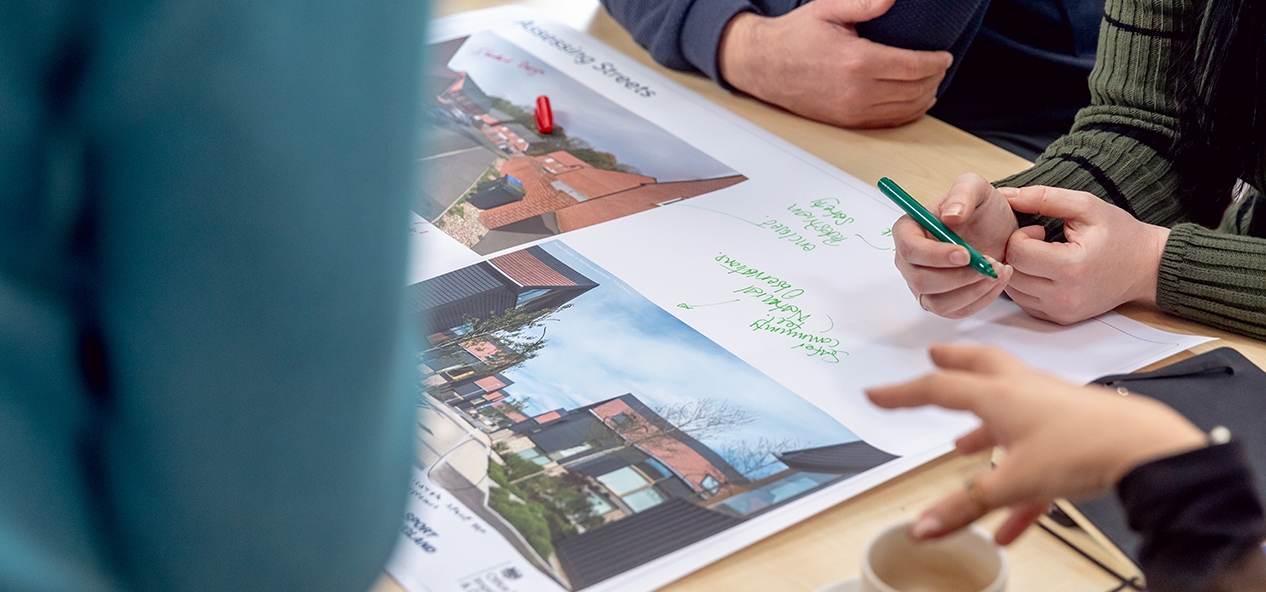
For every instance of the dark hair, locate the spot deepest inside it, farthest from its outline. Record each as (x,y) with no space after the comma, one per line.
(1221,116)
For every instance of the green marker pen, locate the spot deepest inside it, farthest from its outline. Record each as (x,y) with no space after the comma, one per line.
(932,225)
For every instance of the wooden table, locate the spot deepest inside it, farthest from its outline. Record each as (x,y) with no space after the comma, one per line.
(928,155)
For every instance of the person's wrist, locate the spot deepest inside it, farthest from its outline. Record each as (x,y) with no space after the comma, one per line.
(1160,434)
(1145,290)
(735,50)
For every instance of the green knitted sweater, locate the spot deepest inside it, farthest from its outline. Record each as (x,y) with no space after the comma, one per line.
(1118,150)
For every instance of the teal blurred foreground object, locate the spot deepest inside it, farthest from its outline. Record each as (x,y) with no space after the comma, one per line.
(205,369)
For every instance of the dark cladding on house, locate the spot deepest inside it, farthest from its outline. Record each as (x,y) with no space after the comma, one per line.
(530,279)
(656,488)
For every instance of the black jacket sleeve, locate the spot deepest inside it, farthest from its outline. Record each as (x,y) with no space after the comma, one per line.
(1198,513)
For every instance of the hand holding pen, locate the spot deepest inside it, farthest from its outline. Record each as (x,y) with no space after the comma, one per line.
(940,274)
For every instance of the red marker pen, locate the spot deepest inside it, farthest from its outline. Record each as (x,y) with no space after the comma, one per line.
(544,116)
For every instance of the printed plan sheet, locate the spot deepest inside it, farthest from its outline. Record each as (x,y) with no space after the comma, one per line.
(648,332)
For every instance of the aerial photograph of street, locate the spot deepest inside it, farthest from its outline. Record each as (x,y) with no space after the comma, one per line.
(498,182)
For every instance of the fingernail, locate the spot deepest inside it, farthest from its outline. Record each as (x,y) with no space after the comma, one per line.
(1007,268)
(954,210)
(925,527)
(1009,192)
(959,258)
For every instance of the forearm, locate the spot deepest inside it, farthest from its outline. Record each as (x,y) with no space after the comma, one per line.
(679,34)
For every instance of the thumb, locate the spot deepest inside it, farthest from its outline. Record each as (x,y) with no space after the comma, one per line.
(965,195)
(851,11)
(1051,201)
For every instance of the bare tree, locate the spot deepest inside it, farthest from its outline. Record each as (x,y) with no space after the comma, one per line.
(704,418)
(700,419)
(750,457)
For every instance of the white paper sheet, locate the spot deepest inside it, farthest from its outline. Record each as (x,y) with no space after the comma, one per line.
(769,288)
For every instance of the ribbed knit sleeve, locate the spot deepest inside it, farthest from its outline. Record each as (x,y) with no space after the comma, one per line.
(1214,278)
(1119,149)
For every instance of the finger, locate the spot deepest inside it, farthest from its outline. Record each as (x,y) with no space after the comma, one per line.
(1053,202)
(894,63)
(918,248)
(975,441)
(954,512)
(938,280)
(970,299)
(1030,304)
(914,92)
(851,11)
(965,195)
(1031,285)
(1040,258)
(973,358)
(951,390)
(892,114)
(1021,518)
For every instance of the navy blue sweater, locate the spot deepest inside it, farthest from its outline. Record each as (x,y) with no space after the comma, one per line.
(1041,50)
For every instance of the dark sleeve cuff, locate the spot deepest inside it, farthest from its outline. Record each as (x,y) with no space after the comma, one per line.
(701,33)
(1198,513)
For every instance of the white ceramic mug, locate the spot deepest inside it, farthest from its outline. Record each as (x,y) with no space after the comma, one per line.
(966,561)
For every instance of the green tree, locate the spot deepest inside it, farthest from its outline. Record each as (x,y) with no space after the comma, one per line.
(513,332)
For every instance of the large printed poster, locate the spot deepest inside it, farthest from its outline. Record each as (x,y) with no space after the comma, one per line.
(648,333)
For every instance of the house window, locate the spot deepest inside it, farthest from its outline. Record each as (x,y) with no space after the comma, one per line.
(636,489)
(574,450)
(598,505)
(773,494)
(622,421)
(530,295)
(653,469)
(710,484)
(643,499)
(534,455)
(625,480)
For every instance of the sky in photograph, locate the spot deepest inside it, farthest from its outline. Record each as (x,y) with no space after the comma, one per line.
(613,341)
(584,113)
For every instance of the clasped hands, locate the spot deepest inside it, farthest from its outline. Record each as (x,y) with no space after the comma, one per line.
(1109,257)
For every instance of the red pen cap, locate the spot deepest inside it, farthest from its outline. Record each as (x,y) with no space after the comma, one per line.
(544,116)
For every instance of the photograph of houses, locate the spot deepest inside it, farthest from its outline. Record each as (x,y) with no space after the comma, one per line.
(496,183)
(593,430)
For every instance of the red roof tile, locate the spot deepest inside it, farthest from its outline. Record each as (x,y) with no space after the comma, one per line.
(527,270)
(490,383)
(594,183)
(547,417)
(636,200)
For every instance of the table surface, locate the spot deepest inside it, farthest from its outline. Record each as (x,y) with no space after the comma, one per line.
(926,155)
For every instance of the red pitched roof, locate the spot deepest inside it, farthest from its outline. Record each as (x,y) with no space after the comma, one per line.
(490,383)
(598,182)
(636,200)
(527,270)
